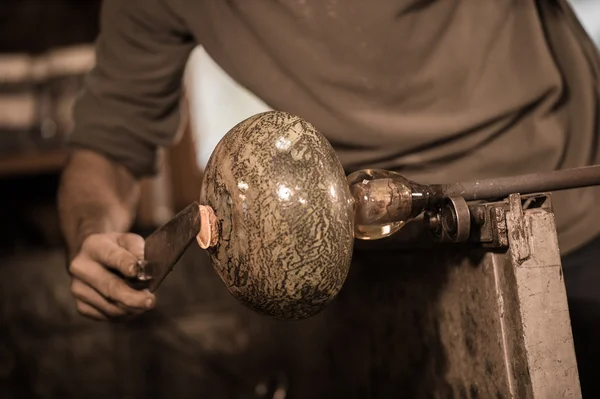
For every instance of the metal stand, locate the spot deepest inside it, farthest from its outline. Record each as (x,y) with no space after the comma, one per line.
(528,331)
(479,306)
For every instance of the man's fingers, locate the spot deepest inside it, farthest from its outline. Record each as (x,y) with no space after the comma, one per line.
(105,249)
(88,311)
(132,243)
(101,293)
(117,290)
(109,285)
(87,295)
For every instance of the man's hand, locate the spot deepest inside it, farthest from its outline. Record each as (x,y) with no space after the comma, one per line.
(97,275)
(97,201)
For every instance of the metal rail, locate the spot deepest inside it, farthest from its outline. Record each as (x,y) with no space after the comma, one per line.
(524,184)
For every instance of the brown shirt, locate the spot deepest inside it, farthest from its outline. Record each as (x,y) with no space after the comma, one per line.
(440,90)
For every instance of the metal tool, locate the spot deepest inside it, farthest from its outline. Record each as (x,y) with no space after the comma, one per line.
(165,246)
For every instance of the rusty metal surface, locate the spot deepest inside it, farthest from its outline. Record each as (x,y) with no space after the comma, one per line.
(544,323)
(457,322)
(519,240)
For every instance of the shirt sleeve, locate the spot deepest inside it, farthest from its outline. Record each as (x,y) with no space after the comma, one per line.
(129,105)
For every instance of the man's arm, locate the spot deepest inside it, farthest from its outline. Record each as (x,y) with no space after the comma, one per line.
(128,109)
(95,196)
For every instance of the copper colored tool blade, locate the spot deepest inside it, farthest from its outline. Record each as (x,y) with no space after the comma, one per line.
(165,246)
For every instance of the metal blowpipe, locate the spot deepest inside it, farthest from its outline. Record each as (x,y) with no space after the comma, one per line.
(386,201)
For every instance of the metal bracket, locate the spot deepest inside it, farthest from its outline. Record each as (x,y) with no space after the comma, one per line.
(519,235)
(484,223)
(455,221)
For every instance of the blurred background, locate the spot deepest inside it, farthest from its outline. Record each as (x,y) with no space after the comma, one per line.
(191,347)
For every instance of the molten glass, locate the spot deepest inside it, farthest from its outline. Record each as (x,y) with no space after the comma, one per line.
(384,201)
(284,215)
